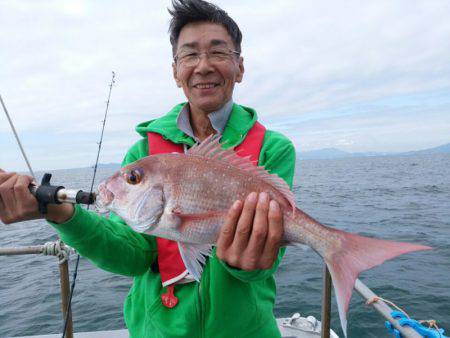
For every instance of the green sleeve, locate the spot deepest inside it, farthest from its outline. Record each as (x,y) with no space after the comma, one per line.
(108,242)
(136,152)
(278,157)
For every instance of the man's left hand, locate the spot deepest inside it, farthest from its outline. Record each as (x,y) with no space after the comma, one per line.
(251,235)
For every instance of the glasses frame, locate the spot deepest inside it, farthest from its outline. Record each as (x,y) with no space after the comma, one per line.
(179,61)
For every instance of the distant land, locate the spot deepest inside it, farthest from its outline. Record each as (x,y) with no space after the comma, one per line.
(326,153)
(332,153)
(101,166)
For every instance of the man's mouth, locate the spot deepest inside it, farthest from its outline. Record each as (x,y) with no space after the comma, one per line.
(207,85)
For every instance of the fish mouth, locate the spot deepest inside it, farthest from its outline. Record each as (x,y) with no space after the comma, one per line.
(104,198)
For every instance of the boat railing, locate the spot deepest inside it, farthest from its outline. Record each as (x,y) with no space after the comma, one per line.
(62,252)
(371,299)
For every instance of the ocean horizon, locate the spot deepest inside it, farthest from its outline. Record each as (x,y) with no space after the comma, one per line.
(403,198)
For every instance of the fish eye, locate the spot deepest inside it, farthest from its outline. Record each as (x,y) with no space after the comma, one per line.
(134,176)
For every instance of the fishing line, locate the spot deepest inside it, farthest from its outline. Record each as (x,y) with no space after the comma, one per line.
(72,287)
(17,138)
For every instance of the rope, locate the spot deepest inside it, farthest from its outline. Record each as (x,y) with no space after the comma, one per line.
(58,249)
(431,322)
(376,299)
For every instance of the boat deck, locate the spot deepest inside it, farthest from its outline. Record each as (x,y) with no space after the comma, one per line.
(293,327)
(97,334)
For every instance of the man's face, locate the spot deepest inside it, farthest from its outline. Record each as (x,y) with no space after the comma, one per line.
(209,84)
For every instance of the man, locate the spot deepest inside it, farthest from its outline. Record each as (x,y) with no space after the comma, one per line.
(236,294)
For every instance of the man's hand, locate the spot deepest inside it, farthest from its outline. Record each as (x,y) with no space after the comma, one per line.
(252,233)
(18,204)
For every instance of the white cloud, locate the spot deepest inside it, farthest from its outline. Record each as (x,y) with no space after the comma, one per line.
(313,59)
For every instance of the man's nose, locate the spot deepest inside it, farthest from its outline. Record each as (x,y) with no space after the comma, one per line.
(204,65)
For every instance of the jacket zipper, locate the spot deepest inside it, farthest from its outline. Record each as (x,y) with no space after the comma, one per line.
(200,307)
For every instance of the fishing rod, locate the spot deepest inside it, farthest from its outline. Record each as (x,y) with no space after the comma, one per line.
(17,138)
(72,287)
(47,193)
(53,194)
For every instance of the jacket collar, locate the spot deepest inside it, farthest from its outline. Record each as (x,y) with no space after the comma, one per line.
(240,122)
(218,119)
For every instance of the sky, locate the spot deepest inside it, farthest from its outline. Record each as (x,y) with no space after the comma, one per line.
(353,75)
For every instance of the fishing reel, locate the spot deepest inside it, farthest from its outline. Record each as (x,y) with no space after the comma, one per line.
(52,194)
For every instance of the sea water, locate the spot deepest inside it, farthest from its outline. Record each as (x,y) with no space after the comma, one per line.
(397,198)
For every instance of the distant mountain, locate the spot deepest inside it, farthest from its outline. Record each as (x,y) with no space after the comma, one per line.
(445,148)
(108,166)
(101,166)
(333,153)
(324,153)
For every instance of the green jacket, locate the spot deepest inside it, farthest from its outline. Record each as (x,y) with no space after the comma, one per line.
(227,302)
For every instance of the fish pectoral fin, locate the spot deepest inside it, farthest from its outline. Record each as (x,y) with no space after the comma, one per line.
(198,216)
(194,257)
(185,220)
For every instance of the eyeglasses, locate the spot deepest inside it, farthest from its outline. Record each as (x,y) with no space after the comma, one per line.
(215,56)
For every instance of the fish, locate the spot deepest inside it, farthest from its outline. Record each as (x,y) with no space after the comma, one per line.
(185,198)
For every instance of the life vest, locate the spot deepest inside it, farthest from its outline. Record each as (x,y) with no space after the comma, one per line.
(170,263)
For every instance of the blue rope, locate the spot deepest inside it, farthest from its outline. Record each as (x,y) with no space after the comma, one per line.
(426,332)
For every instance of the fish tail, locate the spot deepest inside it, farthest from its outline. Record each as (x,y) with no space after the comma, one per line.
(355,254)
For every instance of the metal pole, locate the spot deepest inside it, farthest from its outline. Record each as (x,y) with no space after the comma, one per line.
(60,250)
(326,303)
(65,291)
(37,249)
(385,310)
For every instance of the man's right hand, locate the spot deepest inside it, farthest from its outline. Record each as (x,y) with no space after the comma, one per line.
(18,204)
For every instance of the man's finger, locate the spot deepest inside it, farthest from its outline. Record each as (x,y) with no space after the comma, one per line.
(2,206)
(22,192)
(245,223)
(5,176)
(260,227)
(7,194)
(274,235)
(228,229)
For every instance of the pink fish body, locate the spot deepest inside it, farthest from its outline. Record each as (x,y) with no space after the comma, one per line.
(185,197)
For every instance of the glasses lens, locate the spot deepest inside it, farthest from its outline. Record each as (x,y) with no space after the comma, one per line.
(219,55)
(189,59)
(214,56)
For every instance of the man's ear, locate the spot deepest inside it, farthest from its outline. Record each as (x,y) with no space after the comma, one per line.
(241,70)
(175,74)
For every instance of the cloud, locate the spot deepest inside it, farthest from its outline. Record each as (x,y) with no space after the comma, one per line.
(323,72)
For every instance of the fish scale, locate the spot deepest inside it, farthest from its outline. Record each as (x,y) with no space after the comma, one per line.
(192,197)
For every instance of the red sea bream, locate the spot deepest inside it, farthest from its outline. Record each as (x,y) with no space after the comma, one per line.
(185,197)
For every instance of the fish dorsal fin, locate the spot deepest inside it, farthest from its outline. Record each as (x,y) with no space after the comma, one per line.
(211,148)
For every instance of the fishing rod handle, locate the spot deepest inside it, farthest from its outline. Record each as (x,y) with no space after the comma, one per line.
(52,194)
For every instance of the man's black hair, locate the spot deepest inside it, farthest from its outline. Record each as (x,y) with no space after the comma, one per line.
(187,11)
